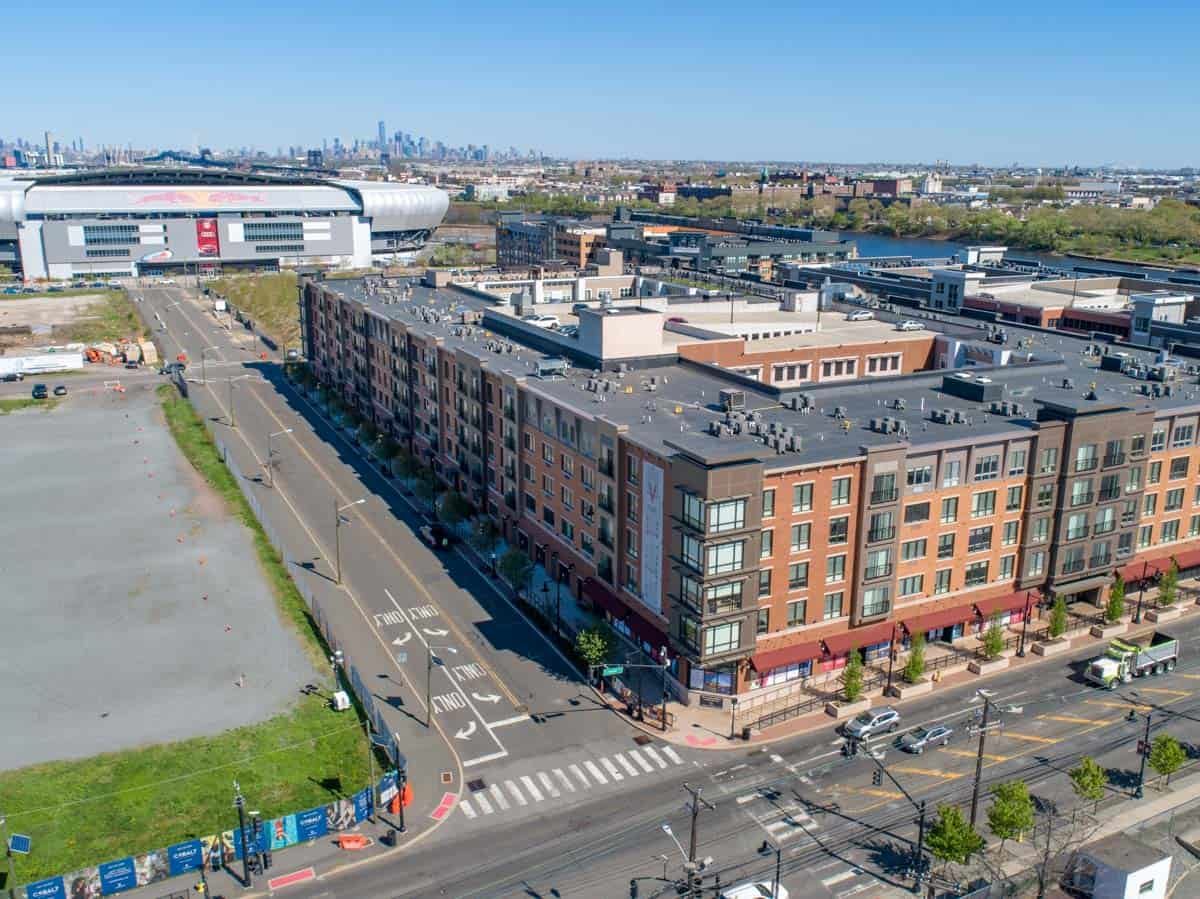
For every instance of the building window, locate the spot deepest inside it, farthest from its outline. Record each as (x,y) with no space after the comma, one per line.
(724,598)
(835,569)
(880,365)
(983,504)
(530,504)
(1155,473)
(795,612)
(1011,531)
(768,503)
(916,513)
(912,549)
(1045,495)
(1183,435)
(979,539)
(106,253)
(547,454)
(839,530)
(833,605)
(1179,468)
(945,546)
(728,515)
(725,637)
(1149,504)
(568,530)
(838,368)
(693,511)
(876,601)
(801,537)
(950,510)
(1137,445)
(976,574)
(764,582)
(1037,564)
(1145,536)
(951,473)
(631,543)
(1013,500)
(1173,500)
(768,544)
(941,581)
(567,497)
(292,231)
(1016,462)
(841,492)
(723,558)
(912,585)
(1158,440)
(1170,531)
(802,495)
(1008,564)
(797,575)
(547,485)
(1049,461)
(987,468)
(1135,480)
(1194,526)
(692,549)
(920,477)
(764,621)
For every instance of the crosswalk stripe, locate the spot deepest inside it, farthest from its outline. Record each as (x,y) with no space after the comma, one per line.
(516,794)
(499,797)
(611,769)
(466,808)
(654,756)
(484,805)
(548,784)
(837,878)
(629,769)
(645,765)
(564,780)
(672,755)
(595,772)
(531,788)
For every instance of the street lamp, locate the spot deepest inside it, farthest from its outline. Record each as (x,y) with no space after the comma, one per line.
(567,570)
(271,453)
(545,596)
(338,521)
(1137,615)
(429,657)
(766,848)
(203,367)
(732,716)
(1025,623)
(891,660)
(666,828)
(232,416)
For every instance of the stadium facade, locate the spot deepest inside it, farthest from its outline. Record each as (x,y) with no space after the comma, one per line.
(157,221)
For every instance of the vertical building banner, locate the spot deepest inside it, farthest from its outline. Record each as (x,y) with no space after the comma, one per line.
(652,535)
(208,241)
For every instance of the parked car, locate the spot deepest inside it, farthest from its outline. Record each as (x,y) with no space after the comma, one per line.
(871,722)
(759,890)
(919,739)
(60,390)
(132,366)
(40,392)
(168,282)
(569,330)
(678,319)
(860,315)
(542,321)
(14,376)
(438,536)
(910,325)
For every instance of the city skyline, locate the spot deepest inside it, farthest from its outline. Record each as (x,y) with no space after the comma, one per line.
(969,87)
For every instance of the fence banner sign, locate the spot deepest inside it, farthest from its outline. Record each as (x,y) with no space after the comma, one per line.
(118,876)
(184,857)
(282,832)
(311,824)
(387,788)
(362,804)
(53,888)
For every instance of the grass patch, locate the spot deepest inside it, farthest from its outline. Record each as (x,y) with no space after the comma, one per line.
(111,318)
(84,812)
(16,404)
(270,301)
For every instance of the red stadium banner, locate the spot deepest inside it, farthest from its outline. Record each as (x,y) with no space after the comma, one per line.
(208,242)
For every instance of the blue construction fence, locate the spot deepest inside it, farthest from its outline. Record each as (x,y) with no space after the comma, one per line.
(119,875)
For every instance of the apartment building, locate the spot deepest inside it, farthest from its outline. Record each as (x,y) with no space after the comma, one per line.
(524,241)
(754,532)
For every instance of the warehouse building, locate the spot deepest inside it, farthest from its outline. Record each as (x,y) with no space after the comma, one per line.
(154,221)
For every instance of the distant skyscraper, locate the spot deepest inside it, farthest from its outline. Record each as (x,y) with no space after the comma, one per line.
(382,137)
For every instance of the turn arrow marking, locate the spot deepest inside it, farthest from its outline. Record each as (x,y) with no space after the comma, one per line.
(435,631)
(491,697)
(465,733)
(400,641)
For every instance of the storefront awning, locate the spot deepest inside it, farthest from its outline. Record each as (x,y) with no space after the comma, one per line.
(602,597)
(1088,583)
(1148,568)
(840,644)
(785,655)
(1005,603)
(938,620)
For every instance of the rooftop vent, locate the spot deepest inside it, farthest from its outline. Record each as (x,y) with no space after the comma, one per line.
(965,386)
(733,399)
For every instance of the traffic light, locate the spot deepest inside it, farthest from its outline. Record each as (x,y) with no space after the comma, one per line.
(877,778)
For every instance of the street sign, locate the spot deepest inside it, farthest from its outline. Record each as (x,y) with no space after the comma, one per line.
(20,843)
(610,670)
(401,658)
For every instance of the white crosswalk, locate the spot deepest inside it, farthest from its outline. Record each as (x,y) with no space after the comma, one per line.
(525,790)
(785,822)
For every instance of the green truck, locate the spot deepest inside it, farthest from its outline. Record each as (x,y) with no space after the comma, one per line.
(1124,660)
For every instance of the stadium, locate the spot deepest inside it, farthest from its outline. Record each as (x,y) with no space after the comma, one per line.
(126,222)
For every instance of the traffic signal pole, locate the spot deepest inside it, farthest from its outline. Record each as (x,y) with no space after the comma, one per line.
(880,772)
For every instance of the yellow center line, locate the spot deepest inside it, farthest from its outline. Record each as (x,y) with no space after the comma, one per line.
(1073,719)
(1119,705)
(1189,676)
(1164,691)
(926,772)
(869,791)
(967,754)
(1030,737)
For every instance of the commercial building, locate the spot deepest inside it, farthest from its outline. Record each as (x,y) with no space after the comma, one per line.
(756,508)
(523,241)
(129,222)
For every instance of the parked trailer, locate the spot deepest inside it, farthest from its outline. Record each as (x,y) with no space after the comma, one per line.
(1124,660)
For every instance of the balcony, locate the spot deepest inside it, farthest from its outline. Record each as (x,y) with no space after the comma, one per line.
(1082,499)
(1108,495)
(878,535)
(1077,533)
(1104,528)
(1072,566)
(877,571)
(1088,464)
(1114,459)
(604,501)
(1099,561)
(887,495)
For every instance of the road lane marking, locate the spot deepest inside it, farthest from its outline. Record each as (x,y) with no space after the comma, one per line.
(645,765)
(484,758)
(611,769)
(629,769)
(1108,704)
(869,791)
(595,772)
(927,772)
(499,797)
(835,879)
(515,719)
(1074,719)
(548,784)
(563,779)
(578,772)
(531,788)
(484,805)
(516,794)
(671,754)
(654,756)
(1190,676)
(1030,737)
(466,808)
(749,797)
(968,754)
(1164,691)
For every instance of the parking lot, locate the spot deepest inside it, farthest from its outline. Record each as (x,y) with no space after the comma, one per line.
(133,607)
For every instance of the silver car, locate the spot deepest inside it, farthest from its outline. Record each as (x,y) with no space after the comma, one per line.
(871,722)
(918,740)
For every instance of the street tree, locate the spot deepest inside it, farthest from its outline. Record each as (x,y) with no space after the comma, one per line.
(1168,585)
(1058,617)
(993,639)
(516,568)
(1114,609)
(455,508)
(426,487)
(594,645)
(485,536)
(1089,780)
(1011,812)
(852,676)
(1166,756)
(951,839)
(915,666)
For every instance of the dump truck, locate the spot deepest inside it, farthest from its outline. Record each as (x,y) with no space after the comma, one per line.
(1124,660)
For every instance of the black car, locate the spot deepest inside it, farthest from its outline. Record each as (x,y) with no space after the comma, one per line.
(13,376)
(40,391)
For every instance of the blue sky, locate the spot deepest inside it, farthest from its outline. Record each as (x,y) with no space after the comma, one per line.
(1041,83)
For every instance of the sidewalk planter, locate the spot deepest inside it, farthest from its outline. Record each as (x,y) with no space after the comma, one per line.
(1104,631)
(905,690)
(840,710)
(981,667)
(1168,613)
(1051,647)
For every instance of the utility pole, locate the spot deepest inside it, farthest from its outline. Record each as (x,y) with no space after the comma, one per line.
(694,878)
(1144,753)
(983,732)
(338,519)
(891,643)
(1137,615)
(239,802)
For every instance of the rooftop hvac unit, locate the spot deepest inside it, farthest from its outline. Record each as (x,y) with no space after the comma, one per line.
(839,411)
(958,416)
(733,399)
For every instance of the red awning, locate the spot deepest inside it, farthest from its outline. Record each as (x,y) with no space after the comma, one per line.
(840,644)
(1148,568)
(938,620)
(645,630)
(785,655)
(1005,603)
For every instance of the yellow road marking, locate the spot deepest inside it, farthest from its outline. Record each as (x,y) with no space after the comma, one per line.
(1119,705)
(1164,691)
(926,772)
(869,791)
(1189,676)
(1072,719)
(1030,737)
(970,755)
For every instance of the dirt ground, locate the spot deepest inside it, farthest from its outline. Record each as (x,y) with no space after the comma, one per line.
(42,315)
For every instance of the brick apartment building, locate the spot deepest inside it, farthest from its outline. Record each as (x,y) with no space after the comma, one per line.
(758,528)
